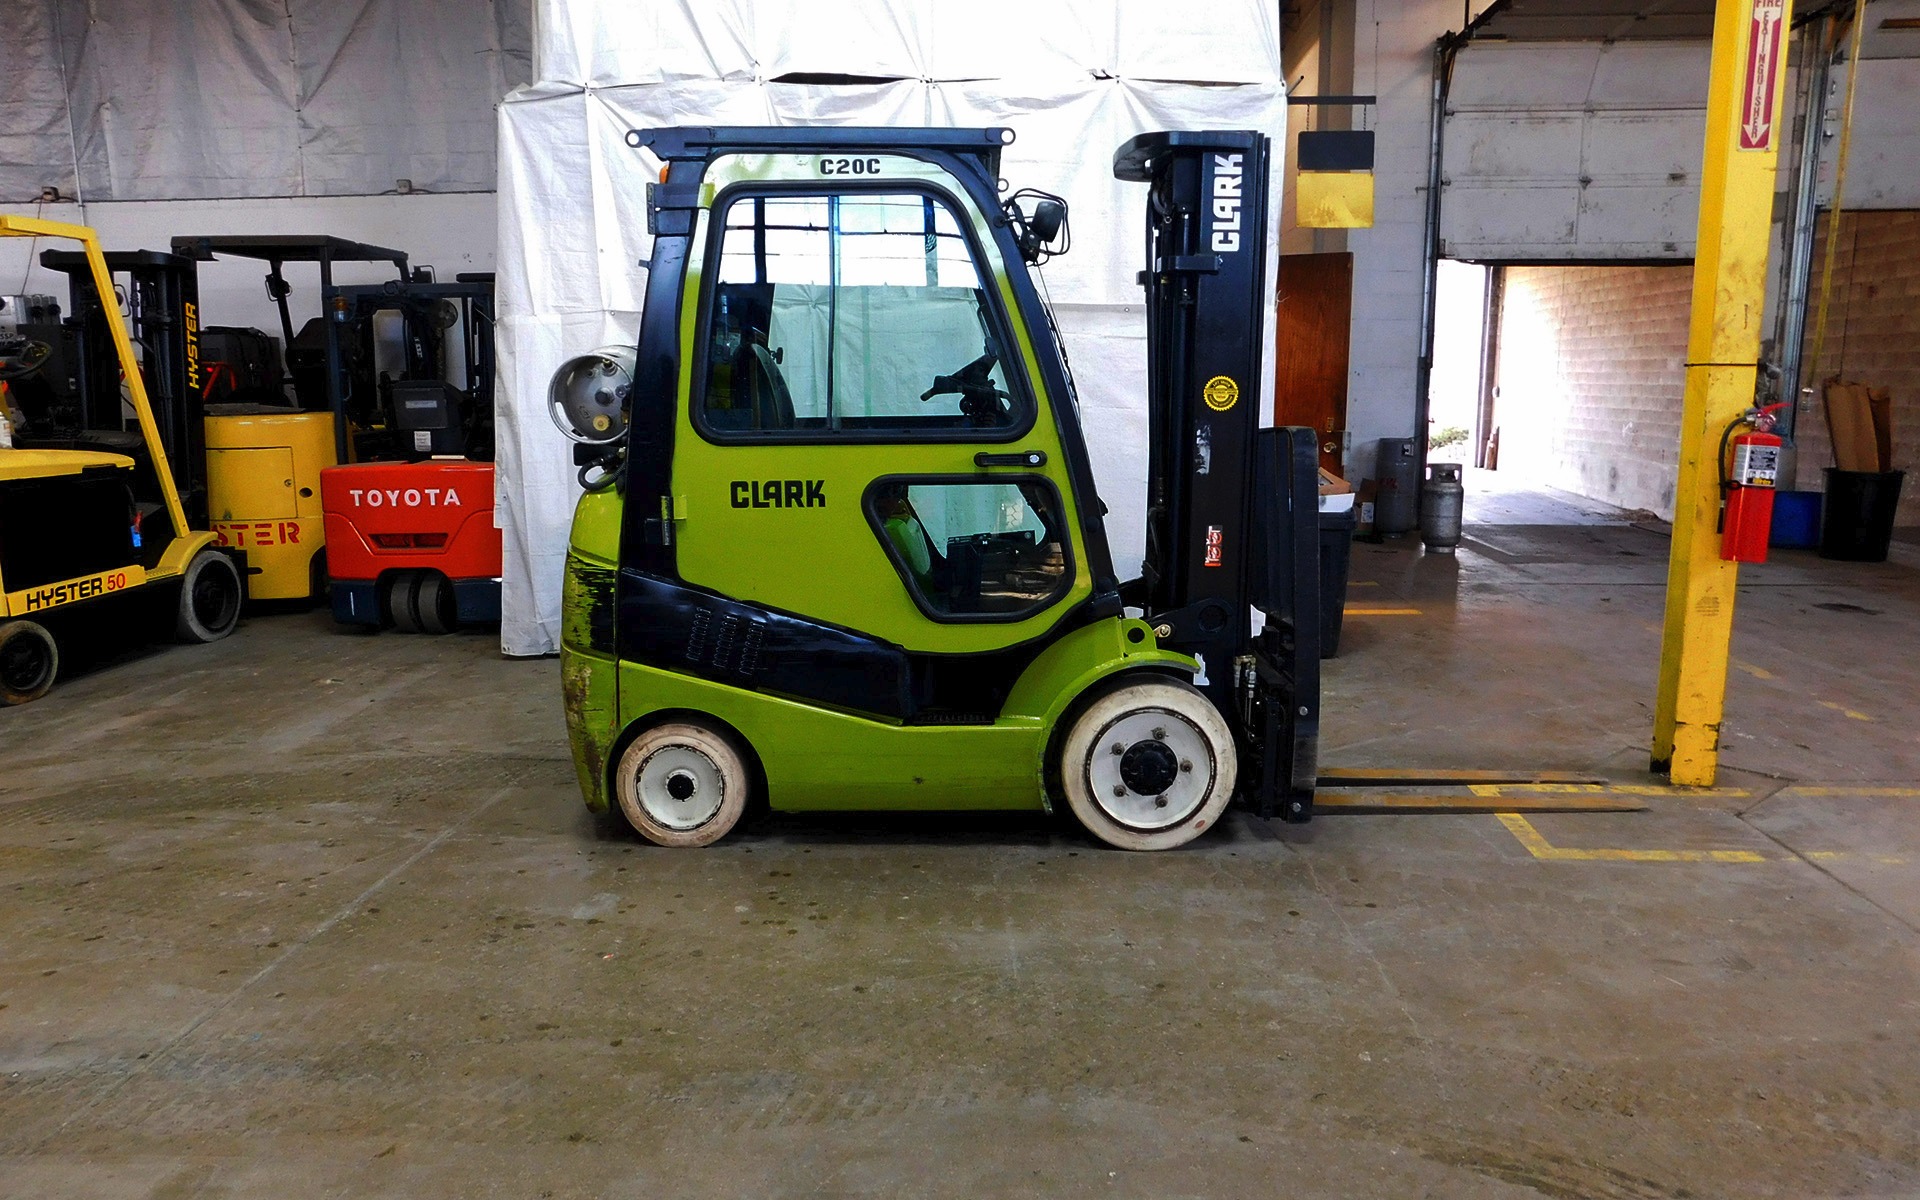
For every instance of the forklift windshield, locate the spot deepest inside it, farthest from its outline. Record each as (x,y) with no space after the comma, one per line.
(850,314)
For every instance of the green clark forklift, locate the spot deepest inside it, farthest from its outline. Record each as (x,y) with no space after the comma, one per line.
(840,545)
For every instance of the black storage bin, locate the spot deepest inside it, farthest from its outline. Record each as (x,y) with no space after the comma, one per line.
(1336,559)
(1856,520)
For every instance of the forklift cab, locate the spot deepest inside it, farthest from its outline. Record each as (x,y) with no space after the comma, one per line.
(845,545)
(864,394)
(317,357)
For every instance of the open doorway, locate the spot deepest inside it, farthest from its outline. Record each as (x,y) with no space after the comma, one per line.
(1454,419)
(1588,370)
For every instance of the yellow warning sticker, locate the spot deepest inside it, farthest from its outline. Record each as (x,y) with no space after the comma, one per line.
(1221,393)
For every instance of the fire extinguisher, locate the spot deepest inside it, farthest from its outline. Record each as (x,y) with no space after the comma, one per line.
(1749,472)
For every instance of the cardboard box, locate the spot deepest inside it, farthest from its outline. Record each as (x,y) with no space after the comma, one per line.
(1850,421)
(1363,506)
(1333,485)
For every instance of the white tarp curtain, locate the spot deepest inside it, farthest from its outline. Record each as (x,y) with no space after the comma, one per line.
(201,99)
(1073,80)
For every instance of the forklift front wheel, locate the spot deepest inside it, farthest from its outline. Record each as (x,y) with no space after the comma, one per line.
(209,598)
(28,662)
(682,784)
(1148,766)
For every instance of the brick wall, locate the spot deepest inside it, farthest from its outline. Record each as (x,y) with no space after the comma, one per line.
(1873,337)
(1590,376)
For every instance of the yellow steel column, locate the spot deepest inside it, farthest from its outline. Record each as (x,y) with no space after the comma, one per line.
(1744,98)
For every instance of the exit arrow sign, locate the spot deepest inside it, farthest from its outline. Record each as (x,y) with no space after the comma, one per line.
(1765,27)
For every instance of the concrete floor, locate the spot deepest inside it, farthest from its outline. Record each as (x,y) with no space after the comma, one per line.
(307,913)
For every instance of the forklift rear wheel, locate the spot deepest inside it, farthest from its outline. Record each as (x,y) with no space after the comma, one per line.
(401,607)
(28,662)
(209,598)
(433,601)
(682,784)
(1149,765)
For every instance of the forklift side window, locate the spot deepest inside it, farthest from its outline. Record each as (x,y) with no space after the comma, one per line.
(974,549)
(849,315)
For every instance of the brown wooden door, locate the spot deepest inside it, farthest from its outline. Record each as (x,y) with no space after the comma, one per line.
(1310,357)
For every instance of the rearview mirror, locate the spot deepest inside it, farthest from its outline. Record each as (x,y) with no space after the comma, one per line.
(1042,232)
(1048,216)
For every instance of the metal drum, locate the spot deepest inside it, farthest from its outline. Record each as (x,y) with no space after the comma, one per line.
(1442,501)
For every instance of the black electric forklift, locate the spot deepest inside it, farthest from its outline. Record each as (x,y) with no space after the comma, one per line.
(841,547)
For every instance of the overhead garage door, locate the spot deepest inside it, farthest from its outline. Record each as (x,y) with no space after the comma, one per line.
(1574,152)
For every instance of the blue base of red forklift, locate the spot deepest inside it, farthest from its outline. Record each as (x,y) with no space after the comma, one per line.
(357,602)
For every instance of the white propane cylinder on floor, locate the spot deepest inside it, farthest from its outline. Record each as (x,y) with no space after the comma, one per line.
(1443,499)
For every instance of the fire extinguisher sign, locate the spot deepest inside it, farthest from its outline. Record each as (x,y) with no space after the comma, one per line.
(1764,31)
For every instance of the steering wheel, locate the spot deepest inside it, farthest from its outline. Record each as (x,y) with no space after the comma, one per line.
(980,400)
(19,363)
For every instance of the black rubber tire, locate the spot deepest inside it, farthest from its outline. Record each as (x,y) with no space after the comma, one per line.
(317,575)
(403,601)
(434,604)
(29,660)
(210,598)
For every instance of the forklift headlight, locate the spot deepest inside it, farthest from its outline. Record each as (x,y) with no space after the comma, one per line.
(588,396)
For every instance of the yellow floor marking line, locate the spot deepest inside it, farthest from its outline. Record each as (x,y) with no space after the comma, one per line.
(1756,672)
(1362,802)
(1382,612)
(1884,860)
(1839,708)
(1494,791)
(1842,790)
(1538,846)
(1447,776)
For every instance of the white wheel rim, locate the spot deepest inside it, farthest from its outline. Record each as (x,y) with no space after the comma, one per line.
(1155,809)
(680,787)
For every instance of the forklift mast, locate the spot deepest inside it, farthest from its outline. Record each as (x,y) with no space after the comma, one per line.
(1232,509)
(162,300)
(1205,280)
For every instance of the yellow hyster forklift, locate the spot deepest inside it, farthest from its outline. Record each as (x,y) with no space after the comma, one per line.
(271,432)
(841,547)
(93,513)
(367,472)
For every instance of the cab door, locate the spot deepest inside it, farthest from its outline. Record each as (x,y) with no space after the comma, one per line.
(861,440)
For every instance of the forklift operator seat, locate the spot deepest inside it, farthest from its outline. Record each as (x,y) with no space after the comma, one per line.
(772,403)
(909,536)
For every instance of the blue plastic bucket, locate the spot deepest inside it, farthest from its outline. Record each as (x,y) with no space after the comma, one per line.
(1796,519)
